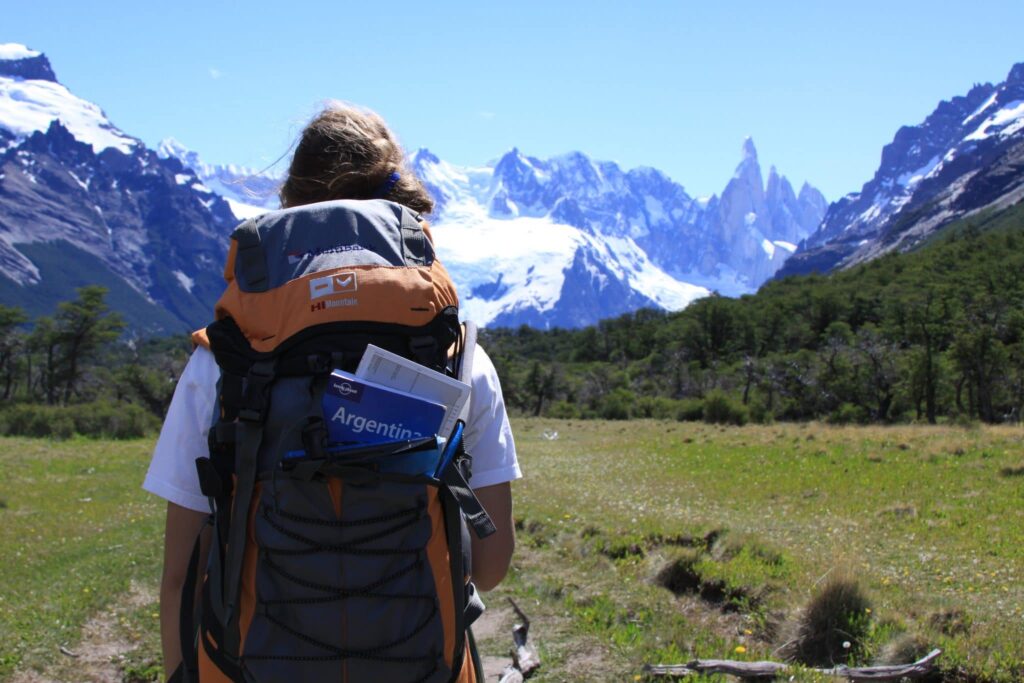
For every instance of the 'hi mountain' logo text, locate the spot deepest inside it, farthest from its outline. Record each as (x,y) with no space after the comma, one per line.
(338,283)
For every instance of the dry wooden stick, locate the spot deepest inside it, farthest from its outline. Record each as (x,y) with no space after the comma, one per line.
(525,659)
(918,669)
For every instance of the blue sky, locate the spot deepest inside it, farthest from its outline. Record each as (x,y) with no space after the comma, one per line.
(820,86)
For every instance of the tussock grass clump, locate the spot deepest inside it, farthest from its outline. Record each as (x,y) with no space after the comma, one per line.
(731,546)
(950,622)
(904,649)
(1014,471)
(832,628)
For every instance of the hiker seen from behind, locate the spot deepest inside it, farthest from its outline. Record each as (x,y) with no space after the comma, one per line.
(332,525)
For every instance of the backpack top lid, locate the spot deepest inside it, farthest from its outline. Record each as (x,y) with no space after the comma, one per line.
(342,260)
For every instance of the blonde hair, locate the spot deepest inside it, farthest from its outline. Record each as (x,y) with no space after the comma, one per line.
(348,152)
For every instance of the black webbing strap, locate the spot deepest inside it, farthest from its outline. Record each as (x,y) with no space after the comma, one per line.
(474,652)
(230,395)
(250,260)
(250,435)
(256,391)
(458,549)
(475,514)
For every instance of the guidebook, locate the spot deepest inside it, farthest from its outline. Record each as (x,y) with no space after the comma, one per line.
(391,370)
(361,411)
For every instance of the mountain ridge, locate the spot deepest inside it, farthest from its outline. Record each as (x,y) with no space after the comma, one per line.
(966,156)
(602,240)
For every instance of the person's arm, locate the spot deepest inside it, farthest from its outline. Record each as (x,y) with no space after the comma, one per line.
(492,555)
(182,527)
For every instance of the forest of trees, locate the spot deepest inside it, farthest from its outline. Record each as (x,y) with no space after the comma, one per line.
(78,372)
(930,335)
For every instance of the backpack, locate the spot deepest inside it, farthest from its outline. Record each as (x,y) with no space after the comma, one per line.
(347,567)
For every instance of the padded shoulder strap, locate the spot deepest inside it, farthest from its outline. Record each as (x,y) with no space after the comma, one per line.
(466,366)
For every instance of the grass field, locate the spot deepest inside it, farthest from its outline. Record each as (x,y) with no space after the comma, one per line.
(929,521)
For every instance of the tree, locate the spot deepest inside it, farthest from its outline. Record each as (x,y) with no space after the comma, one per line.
(11,340)
(43,341)
(980,355)
(879,370)
(928,326)
(82,327)
(542,384)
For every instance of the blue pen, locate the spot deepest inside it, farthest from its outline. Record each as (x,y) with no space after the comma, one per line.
(450,448)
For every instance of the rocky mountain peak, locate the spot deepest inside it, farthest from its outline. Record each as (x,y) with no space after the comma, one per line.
(424,156)
(749,151)
(18,61)
(1016,75)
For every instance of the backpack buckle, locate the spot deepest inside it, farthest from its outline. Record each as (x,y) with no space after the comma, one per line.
(314,438)
(256,391)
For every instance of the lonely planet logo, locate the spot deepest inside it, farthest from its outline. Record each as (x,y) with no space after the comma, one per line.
(350,391)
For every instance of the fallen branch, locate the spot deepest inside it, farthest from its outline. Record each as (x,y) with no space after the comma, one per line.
(919,669)
(525,659)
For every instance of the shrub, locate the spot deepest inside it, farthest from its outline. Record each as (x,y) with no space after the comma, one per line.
(690,410)
(720,409)
(760,414)
(657,407)
(26,420)
(563,410)
(104,419)
(848,413)
(113,420)
(617,405)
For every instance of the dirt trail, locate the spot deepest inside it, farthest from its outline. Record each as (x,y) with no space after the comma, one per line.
(100,652)
(493,634)
(98,655)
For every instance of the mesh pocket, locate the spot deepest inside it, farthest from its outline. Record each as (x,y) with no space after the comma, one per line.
(351,595)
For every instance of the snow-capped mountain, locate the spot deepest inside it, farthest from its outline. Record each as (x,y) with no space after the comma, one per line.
(248,191)
(569,240)
(967,156)
(560,242)
(81,202)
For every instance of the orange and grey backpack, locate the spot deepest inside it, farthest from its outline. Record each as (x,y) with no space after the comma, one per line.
(330,567)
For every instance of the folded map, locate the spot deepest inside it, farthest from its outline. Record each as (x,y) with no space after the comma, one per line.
(391,370)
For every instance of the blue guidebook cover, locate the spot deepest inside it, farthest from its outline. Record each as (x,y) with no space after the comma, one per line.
(359,411)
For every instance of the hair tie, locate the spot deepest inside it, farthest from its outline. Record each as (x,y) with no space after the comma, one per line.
(388,185)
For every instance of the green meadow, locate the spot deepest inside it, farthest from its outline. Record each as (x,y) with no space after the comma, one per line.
(639,542)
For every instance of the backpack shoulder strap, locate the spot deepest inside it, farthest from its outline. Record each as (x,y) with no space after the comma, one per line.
(465,373)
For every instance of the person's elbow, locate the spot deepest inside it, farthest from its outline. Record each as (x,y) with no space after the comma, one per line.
(493,565)
(492,556)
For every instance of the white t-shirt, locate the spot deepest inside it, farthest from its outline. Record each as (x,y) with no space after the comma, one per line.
(172,472)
